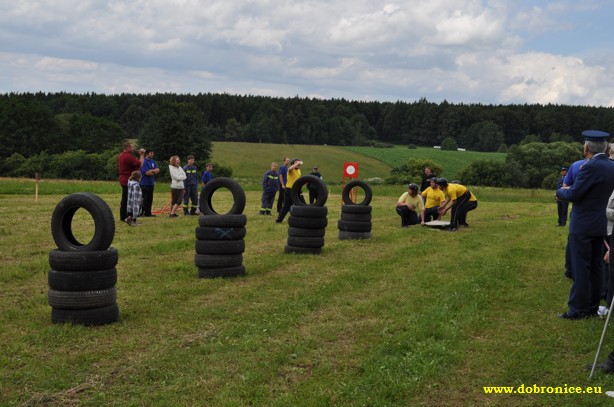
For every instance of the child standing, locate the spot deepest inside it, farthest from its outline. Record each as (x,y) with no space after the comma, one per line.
(135,197)
(191,187)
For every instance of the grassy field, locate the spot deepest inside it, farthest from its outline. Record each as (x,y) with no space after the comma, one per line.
(411,317)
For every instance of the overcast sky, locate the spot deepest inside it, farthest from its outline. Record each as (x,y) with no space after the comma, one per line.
(468,51)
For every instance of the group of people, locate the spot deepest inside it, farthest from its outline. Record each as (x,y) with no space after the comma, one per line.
(137,179)
(433,200)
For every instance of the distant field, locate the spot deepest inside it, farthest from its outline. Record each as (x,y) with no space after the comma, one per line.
(453,162)
(251,160)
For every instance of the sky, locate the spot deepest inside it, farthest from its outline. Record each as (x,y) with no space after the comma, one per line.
(461,51)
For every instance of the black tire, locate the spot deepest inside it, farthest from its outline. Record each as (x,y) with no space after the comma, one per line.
(206,194)
(83,260)
(222,221)
(82,299)
(349,226)
(220,233)
(354,235)
(307,223)
(356,209)
(305,241)
(61,222)
(309,211)
(92,316)
(221,272)
(82,280)
(302,250)
(322,194)
(302,232)
(220,246)
(345,193)
(356,217)
(218,260)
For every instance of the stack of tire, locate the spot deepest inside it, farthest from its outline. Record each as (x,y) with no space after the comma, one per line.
(82,277)
(307,223)
(355,222)
(219,237)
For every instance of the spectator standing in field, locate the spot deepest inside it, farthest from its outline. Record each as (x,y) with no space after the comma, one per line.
(127,163)
(570,177)
(177,178)
(149,170)
(589,194)
(283,178)
(191,187)
(208,174)
(270,185)
(135,198)
(562,206)
(426,179)
(433,197)
(294,173)
(459,200)
(313,189)
(409,205)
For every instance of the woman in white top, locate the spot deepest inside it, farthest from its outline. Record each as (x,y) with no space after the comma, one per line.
(177,178)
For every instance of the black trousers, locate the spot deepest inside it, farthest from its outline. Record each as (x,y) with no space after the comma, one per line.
(562,207)
(280,199)
(148,192)
(408,217)
(123,206)
(431,213)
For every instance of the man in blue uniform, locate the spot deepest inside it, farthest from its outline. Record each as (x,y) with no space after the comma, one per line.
(568,181)
(191,187)
(588,226)
(149,170)
(562,206)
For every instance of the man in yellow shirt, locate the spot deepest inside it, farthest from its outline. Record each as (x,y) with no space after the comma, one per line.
(294,173)
(408,206)
(460,201)
(433,197)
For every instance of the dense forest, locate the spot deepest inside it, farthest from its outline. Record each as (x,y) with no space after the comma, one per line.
(45,125)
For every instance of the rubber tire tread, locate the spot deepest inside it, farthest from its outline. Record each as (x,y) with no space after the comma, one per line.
(347,188)
(302,232)
(222,221)
(82,280)
(220,246)
(349,226)
(307,223)
(356,217)
(305,241)
(61,222)
(82,299)
(302,250)
(354,235)
(356,209)
(309,211)
(322,194)
(221,272)
(218,260)
(238,196)
(89,317)
(220,233)
(83,260)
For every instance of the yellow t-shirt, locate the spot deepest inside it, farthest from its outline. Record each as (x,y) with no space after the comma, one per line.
(454,191)
(434,197)
(293,175)
(414,200)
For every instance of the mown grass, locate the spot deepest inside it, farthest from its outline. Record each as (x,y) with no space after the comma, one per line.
(411,317)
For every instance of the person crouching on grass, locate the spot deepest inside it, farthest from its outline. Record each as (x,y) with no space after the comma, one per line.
(135,198)
(408,206)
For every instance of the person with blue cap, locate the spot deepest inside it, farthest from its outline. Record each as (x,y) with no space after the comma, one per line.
(588,226)
(562,206)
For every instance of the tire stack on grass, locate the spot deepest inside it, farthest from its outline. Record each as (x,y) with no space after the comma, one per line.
(219,237)
(355,222)
(307,223)
(83,276)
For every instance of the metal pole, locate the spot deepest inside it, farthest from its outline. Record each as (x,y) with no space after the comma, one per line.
(607,320)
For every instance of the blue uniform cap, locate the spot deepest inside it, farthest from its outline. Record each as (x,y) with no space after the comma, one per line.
(564,168)
(595,135)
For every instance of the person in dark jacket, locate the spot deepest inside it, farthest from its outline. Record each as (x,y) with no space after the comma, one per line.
(270,185)
(562,206)
(313,189)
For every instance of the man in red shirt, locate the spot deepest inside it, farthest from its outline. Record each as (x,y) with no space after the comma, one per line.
(126,164)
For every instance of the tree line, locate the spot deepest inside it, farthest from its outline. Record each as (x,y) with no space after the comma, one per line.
(47,125)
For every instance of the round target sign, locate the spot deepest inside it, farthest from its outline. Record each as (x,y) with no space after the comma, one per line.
(350,170)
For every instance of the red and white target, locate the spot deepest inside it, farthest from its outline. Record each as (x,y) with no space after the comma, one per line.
(350,170)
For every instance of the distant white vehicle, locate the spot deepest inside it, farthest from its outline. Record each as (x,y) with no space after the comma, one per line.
(436,146)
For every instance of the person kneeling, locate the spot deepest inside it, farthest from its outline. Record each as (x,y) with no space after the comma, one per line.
(408,206)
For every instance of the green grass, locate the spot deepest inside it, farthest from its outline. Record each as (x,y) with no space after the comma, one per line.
(453,162)
(411,317)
